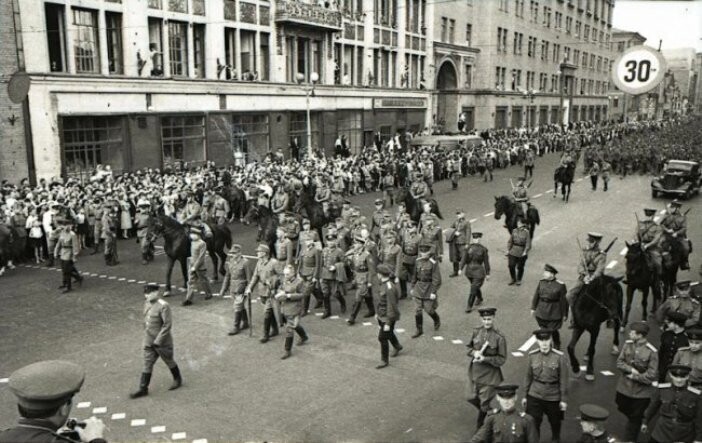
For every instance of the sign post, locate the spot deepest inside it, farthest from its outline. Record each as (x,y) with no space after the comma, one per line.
(638,70)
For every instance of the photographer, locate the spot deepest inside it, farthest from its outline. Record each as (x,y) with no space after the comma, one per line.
(44,392)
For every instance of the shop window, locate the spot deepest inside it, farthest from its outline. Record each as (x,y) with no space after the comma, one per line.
(85,43)
(199,50)
(251,136)
(385,133)
(183,139)
(113,32)
(92,141)
(56,36)
(178,48)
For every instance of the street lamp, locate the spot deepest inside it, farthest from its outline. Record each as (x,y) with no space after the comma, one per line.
(309,91)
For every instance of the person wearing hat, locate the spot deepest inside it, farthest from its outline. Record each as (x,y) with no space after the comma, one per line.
(322,196)
(221,207)
(362,261)
(487,352)
(343,235)
(549,305)
(236,277)
(291,228)
(44,392)
(432,234)
(638,364)
(518,247)
(388,185)
(592,418)
(649,234)
(308,268)
(50,231)
(158,340)
(594,172)
(390,253)
(142,221)
(605,170)
(409,243)
(679,409)
(94,210)
(425,288)
(529,160)
(692,355)
(508,424)
(266,273)
(387,314)
(197,277)
(387,226)
(681,302)
(109,234)
(591,266)
(307,233)
(67,250)
(377,218)
(672,339)
(454,170)
(475,262)
(332,274)
(546,384)
(520,194)
(458,237)
(283,249)
(674,225)
(419,189)
(289,298)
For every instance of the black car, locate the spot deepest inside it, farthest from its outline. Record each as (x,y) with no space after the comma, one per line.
(680,178)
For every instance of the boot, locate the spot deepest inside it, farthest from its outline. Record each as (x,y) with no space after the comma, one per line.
(384,351)
(354,312)
(455,270)
(144,258)
(418,320)
(437,320)
(266,327)
(371,308)
(108,261)
(274,326)
(237,321)
(288,347)
(244,320)
(177,379)
(327,308)
(303,335)
(471,301)
(305,305)
(143,386)
(342,302)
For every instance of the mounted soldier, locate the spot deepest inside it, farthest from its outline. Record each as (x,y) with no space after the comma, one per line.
(674,226)
(520,194)
(591,266)
(142,219)
(648,234)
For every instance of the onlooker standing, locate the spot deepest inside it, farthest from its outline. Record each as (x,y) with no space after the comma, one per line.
(67,249)
(36,235)
(198,272)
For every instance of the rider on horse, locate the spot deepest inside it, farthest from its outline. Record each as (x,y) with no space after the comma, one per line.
(142,222)
(323,195)
(193,216)
(419,189)
(519,192)
(591,266)
(648,234)
(674,226)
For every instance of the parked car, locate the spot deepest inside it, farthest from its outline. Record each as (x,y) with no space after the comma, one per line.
(680,178)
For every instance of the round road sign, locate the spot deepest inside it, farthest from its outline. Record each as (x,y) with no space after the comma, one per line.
(638,70)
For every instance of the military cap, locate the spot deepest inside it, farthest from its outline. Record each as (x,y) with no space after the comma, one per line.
(594,236)
(676,203)
(683,284)
(476,234)
(679,370)
(384,269)
(649,211)
(590,412)
(543,334)
(150,287)
(694,333)
(346,202)
(46,384)
(640,327)
(460,213)
(550,269)
(676,317)
(263,248)
(487,312)
(378,201)
(235,249)
(506,391)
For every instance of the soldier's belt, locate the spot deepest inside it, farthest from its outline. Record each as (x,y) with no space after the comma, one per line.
(361,270)
(519,244)
(548,300)
(424,280)
(546,382)
(409,253)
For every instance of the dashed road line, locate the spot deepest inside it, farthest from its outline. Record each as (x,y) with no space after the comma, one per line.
(607,373)
(4,380)
(517,354)
(200,440)
(624,251)
(100,410)
(367,323)
(137,422)
(612,264)
(473,220)
(158,429)
(178,436)
(438,338)
(399,330)
(83,405)
(488,214)
(538,195)
(119,416)
(548,191)
(457,341)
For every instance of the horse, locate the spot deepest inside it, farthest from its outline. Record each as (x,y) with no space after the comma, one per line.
(412,205)
(506,206)
(672,258)
(177,245)
(640,276)
(12,246)
(564,176)
(267,224)
(599,301)
(237,201)
(313,210)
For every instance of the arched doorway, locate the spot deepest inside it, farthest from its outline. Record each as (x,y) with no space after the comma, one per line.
(447,100)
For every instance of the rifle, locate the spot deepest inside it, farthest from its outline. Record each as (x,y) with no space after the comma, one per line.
(638,234)
(609,246)
(250,316)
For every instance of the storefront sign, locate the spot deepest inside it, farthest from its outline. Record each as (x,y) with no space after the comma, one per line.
(307,14)
(386,103)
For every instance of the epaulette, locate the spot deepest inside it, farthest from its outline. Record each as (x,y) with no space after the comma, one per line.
(522,414)
(651,347)
(533,352)
(663,385)
(629,341)
(694,283)
(389,285)
(560,282)
(684,348)
(557,351)
(161,301)
(694,390)
(433,262)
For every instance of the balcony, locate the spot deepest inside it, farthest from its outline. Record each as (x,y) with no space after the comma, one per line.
(307,15)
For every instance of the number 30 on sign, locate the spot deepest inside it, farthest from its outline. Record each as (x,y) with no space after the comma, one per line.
(638,70)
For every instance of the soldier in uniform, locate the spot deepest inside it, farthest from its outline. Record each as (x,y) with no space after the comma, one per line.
(387,314)
(363,263)
(419,189)
(508,425)
(409,242)
(109,234)
(518,247)
(305,234)
(141,223)
(289,297)
(332,274)
(591,265)
(605,173)
(520,194)
(679,409)
(237,276)
(158,340)
(343,235)
(487,352)
(308,268)
(674,226)
(390,253)
(672,339)
(638,363)
(322,196)
(458,239)
(476,262)
(592,418)
(692,356)
(433,235)
(377,218)
(44,392)
(648,234)
(266,273)
(680,301)
(283,250)
(425,288)
(454,168)
(67,249)
(99,210)
(546,384)
(291,227)
(221,207)
(198,272)
(549,305)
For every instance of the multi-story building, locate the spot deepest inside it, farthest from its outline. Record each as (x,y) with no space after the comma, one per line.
(682,67)
(537,61)
(621,103)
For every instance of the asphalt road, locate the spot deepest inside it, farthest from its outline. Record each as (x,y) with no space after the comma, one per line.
(237,389)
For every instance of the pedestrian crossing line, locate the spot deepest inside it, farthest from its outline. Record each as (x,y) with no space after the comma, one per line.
(488,214)
(137,422)
(178,436)
(473,220)
(517,354)
(538,195)
(157,429)
(624,251)
(83,405)
(438,338)
(100,410)
(457,341)
(612,264)
(119,416)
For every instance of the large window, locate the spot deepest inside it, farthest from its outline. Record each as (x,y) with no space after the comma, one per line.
(178,47)
(86,46)
(183,139)
(92,141)
(199,50)
(248,54)
(251,135)
(114,42)
(155,45)
(298,129)
(350,124)
(265,50)
(56,36)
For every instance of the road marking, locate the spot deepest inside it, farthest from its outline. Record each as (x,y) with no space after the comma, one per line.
(93,275)
(100,410)
(457,342)
(131,280)
(624,251)
(488,214)
(528,344)
(121,279)
(137,422)
(318,314)
(334,317)
(119,416)
(83,405)
(538,195)
(178,436)
(406,432)
(607,373)
(367,323)
(157,429)
(580,179)
(4,380)
(112,278)
(438,338)
(103,276)
(200,440)
(142,282)
(399,330)
(662,211)
(549,191)
(612,264)
(227,296)
(517,354)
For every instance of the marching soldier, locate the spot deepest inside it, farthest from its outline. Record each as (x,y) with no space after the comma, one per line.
(387,314)
(158,341)
(476,262)
(377,218)
(198,271)
(454,168)
(308,267)
(409,243)
(604,173)
(141,223)
(291,227)
(283,249)
(323,195)
(266,273)
(67,249)
(679,409)
(549,305)
(419,189)
(432,235)
(109,234)
(648,234)
(458,239)
(487,352)
(99,210)
(674,226)
(332,274)
(507,425)
(592,418)
(305,234)
(672,339)
(591,265)
(363,267)
(594,172)
(386,227)
(425,288)
(546,384)
(518,247)
(236,278)
(290,299)
(638,363)
(680,301)
(343,235)
(692,356)
(391,254)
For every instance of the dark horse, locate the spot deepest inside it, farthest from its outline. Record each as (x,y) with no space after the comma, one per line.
(177,245)
(267,224)
(599,301)
(413,207)
(314,211)
(237,201)
(11,246)
(564,176)
(640,276)
(672,258)
(506,206)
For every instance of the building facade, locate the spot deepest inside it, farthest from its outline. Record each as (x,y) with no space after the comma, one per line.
(623,105)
